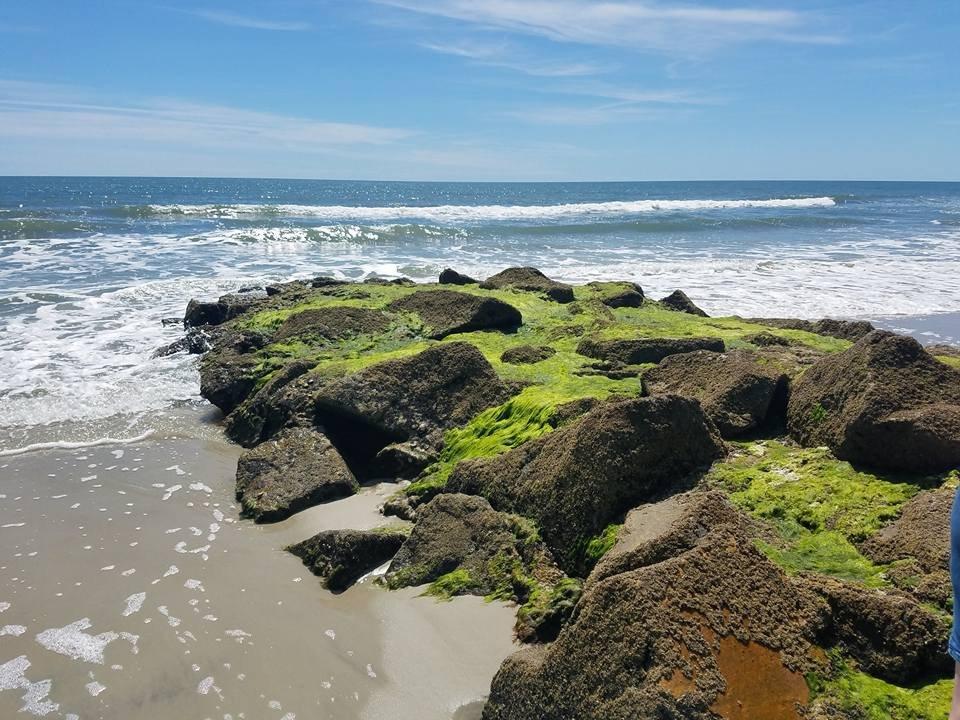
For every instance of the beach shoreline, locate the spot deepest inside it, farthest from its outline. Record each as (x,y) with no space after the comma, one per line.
(135,590)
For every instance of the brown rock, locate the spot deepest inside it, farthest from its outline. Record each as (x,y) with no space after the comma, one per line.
(737,391)
(527,354)
(581,477)
(298,469)
(645,350)
(678,300)
(531,280)
(446,312)
(885,402)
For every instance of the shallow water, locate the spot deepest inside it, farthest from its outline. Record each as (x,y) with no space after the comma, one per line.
(129,589)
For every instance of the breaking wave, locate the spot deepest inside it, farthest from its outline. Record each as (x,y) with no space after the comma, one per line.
(467,213)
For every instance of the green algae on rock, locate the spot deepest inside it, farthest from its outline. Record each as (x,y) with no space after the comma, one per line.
(578,479)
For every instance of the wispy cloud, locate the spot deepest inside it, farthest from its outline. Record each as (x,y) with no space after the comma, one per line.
(36,110)
(509,58)
(244,21)
(641,25)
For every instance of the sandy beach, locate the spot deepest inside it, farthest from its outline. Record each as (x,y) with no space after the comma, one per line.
(131,590)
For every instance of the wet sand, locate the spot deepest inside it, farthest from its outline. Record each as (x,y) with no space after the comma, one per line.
(129,589)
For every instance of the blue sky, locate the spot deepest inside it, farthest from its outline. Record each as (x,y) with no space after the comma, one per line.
(482,89)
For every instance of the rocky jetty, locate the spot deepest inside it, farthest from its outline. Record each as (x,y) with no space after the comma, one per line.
(694,516)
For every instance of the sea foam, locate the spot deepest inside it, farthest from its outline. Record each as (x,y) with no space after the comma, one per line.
(474,213)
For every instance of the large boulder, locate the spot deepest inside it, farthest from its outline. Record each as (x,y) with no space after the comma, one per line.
(736,390)
(229,306)
(851,330)
(463,533)
(452,277)
(618,294)
(416,398)
(531,280)
(921,532)
(263,413)
(335,322)
(645,350)
(919,543)
(661,530)
(462,545)
(884,402)
(891,635)
(230,370)
(678,300)
(446,312)
(583,476)
(705,630)
(296,470)
(341,557)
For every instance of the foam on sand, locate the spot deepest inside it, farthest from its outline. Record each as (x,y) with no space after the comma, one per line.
(72,641)
(134,604)
(13,677)
(67,445)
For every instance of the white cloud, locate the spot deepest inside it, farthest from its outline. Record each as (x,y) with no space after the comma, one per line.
(640,25)
(606,114)
(35,110)
(503,56)
(252,23)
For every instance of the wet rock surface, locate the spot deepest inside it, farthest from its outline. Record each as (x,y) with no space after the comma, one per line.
(463,533)
(228,373)
(885,402)
(619,294)
(576,480)
(226,308)
(532,280)
(341,557)
(298,469)
(737,391)
(262,414)
(446,312)
(645,350)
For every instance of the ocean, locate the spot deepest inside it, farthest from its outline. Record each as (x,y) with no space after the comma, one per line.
(90,266)
(131,588)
